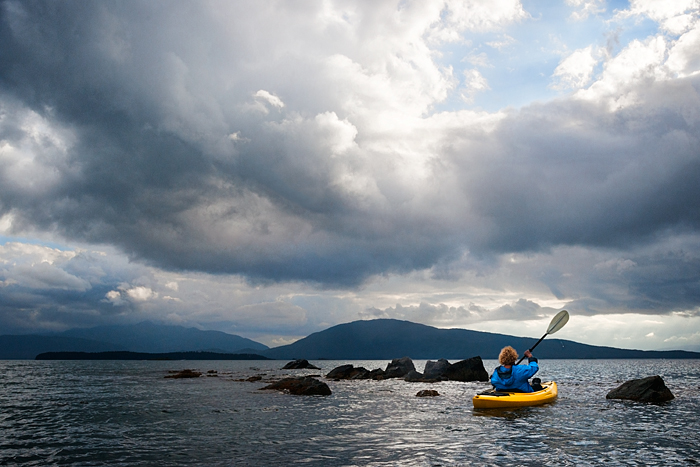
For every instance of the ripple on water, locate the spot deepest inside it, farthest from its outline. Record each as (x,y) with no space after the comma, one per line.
(126,413)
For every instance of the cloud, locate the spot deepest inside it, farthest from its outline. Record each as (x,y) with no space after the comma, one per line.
(213,162)
(584,8)
(269,316)
(674,17)
(576,70)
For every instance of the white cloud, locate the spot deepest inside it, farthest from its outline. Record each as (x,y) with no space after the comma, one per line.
(474,15)
(585,8)
(684,55)
(576,70)
(141,294)
(674,16)
(269,98)
(474,82)
(637,64)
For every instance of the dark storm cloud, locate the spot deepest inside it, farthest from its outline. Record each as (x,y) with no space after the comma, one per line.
(573,173)
(174,159)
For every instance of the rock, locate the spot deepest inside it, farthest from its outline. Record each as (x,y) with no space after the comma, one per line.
(305,386)
(340,372)
(348,372)
(413,377)
(649,389)
(435,370)
(300,365)
(377,374)
(185,374)
(471,369)
(399,367)
(252,379)
(427,393)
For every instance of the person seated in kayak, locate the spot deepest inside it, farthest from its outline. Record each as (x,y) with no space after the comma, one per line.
(512,377)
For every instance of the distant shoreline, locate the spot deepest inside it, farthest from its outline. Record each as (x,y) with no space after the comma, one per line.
(126,355)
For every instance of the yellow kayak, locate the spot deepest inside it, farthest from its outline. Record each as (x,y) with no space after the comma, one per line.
(500,399)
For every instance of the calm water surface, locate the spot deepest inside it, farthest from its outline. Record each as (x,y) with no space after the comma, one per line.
(126,413)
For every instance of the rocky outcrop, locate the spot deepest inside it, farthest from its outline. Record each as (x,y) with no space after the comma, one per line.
(435,370)
(348,372)
(305,386)
(471,369)
(427,393)
(649,389)
(399,368)
(300,365)
(184,374)
(351,372)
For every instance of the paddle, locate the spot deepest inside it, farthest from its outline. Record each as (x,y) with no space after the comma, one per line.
(557,323)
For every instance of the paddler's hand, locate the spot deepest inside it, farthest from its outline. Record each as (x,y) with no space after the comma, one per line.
(528,354)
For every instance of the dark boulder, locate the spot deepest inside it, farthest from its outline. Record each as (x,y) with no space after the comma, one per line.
(399,367)
(471,369)
(435,370)
(300,365)
(413,377)
(427,393)
(649,389)
(306,386)
(377,374)
(348,372)
(185,374)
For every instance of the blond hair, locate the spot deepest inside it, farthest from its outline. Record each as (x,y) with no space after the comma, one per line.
(508,356)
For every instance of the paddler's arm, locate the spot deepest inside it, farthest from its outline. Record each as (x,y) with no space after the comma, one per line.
(531,369)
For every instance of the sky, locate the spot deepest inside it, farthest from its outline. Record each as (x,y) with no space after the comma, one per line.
(271,169)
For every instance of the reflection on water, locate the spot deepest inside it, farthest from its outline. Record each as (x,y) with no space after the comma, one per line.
(127,413)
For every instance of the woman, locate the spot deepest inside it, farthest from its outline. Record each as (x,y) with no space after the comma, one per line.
(511,377)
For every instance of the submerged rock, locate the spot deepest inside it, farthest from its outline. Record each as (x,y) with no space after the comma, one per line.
(305,386)
(649,389)
(427,393)
(185,374)
(300,365)
(414,376)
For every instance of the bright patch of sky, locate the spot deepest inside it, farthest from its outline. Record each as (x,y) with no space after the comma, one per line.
(515,66)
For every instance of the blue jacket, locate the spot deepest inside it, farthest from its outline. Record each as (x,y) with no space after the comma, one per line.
(514,378)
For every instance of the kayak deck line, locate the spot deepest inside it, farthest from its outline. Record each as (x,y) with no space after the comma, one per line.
(493,399)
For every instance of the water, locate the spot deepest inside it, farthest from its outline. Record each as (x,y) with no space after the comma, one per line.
(86,413)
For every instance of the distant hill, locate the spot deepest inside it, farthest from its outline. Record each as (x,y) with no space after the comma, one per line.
(389,338)
(26,347)
(144,337)
(160,338)
(147,356)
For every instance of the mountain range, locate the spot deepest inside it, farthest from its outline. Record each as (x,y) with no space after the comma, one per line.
(390,338)
(360,340)
(145,337)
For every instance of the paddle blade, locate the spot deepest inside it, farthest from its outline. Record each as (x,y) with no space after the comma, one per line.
(558,322)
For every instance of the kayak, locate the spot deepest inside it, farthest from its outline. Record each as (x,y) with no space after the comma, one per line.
(493,399)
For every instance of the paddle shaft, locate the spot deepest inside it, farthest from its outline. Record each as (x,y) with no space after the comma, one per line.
(533,347)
